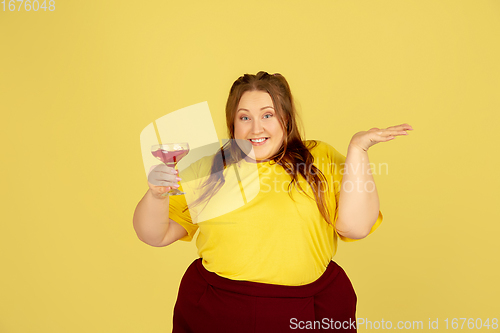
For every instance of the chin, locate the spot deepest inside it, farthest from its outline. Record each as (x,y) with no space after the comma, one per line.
(262,157)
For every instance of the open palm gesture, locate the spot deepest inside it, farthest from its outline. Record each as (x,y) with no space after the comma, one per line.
(365,139)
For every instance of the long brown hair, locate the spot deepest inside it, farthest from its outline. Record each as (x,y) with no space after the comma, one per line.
(291,156)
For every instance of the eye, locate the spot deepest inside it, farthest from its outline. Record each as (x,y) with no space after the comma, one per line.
(244,118)
(269,114)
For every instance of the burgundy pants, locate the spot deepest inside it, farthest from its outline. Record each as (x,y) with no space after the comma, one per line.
(209,303)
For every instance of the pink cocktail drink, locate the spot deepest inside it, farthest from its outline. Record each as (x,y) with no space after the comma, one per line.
(170,156)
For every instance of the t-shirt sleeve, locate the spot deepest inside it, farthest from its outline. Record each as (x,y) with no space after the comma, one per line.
(337,162)
(374,227)
(177,213)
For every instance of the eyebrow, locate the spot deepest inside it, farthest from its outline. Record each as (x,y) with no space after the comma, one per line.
(261,109)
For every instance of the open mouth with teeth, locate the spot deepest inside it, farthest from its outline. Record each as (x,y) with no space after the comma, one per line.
(258,141)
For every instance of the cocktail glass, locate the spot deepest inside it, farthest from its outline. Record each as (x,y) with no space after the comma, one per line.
(170,154)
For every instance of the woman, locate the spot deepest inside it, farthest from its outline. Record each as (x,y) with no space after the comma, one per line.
(266,265)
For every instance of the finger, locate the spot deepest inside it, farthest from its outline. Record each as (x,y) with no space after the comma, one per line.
(163,169)
(401,127)
(153,168)
(405,127)
(163,183)
(408,127)
(169,171)
(398,132)
(163,191)
(157,178)
(392,133)
(381,138)
(384,133)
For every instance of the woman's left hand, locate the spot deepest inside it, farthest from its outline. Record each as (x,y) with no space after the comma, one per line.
(366,139)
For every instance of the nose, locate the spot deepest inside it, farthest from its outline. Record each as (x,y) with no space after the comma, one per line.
(257,127)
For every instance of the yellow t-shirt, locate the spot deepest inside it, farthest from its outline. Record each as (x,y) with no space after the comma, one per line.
(271,238)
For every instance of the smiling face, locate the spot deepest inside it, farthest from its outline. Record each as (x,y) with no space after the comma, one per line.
(257,122)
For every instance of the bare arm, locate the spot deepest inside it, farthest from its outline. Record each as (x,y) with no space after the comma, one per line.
(152,224)
(358,202)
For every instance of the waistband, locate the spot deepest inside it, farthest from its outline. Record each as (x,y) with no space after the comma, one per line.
(269,290)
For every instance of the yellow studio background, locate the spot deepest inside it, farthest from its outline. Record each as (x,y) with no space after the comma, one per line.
(78,84)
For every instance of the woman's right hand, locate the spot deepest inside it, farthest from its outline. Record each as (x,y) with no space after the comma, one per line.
(162,179)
